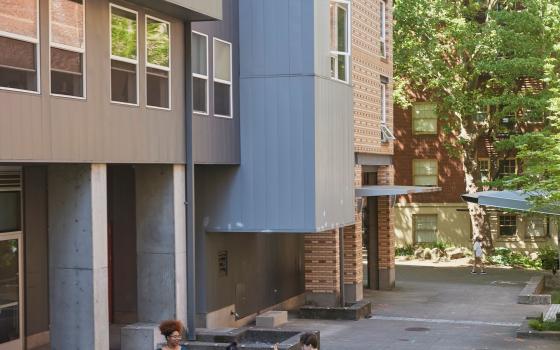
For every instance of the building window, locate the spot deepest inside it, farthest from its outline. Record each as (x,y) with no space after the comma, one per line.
(67,47)
(507,225)
(19,43)
(536,227)
(199,57)
(340,39)
(124,55)
(386,134)
(382,29)
(424,119)
(222,79)
(484,169)
(425,228)
(507,167)
(158,63)
(425,172)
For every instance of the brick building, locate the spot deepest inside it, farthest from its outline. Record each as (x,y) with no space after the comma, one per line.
(421,159)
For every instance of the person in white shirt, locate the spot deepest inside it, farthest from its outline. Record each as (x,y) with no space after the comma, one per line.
(478,255)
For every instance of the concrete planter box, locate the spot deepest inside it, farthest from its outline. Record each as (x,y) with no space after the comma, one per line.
(531,294)
(247,338)
(527,332)
(353,312)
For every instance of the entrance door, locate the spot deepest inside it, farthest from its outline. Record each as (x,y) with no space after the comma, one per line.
(11,261)
(11,310)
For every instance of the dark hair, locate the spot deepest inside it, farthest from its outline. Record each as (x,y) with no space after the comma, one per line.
(232,346)
(168,327)
(309,339)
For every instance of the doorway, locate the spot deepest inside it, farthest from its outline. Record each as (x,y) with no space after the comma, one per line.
(11,261)
(369,236)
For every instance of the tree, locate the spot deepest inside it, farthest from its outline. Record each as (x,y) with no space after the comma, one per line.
(483,64)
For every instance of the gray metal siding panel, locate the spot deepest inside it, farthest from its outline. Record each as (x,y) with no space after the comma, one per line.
(334,160)
(47,128)
(215,139)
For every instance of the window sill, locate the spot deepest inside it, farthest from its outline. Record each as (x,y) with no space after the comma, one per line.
(508,239)
(536,239)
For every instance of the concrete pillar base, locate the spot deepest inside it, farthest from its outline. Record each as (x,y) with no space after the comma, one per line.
(387,279)
(322,299)
(353,292)
(141,336)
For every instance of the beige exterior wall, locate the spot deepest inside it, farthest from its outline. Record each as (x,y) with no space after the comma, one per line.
(453,222)
(454,227)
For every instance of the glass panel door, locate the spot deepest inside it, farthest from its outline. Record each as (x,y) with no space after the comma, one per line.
(10,292)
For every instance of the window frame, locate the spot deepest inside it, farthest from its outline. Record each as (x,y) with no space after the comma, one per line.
(500,174)
(386,134)
(515,233)
(37,43)
(383,29)
(155,66)
(72,49)
(124,59)
(348,53)
(424,133)
(545,225)
(207,77)
(489,170)
(214,79)
(414,228)
(414,171)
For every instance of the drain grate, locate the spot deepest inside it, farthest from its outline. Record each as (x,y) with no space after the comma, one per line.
(417,329)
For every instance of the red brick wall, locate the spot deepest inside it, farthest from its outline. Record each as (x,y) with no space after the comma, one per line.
(409,147)
(386,221)
(322,266)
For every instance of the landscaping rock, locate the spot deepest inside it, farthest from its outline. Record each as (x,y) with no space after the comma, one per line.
(534,256)
(427,254)
(457,253)
(418,253)
(435,252)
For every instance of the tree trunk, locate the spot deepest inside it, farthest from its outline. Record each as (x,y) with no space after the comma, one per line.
(479,218)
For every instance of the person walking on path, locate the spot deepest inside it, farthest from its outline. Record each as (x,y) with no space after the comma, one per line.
(172,330)
(478,255)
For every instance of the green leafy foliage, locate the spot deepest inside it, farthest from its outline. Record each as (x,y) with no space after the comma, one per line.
(123,34)
(157,41)
(506,257)
(540,325)
(548,256)
(404,251)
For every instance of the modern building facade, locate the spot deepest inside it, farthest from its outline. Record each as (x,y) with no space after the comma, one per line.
(94,101)
(421,159)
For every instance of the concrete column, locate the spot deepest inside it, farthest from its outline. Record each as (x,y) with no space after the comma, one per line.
(161,243)
(322,271)
(77,199)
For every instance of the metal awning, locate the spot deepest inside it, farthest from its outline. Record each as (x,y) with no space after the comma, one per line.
(392,190)
(512,200)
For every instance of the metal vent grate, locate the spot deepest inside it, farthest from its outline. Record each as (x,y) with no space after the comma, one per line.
(10,179)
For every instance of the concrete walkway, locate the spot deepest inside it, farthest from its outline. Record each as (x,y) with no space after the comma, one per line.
(438,308)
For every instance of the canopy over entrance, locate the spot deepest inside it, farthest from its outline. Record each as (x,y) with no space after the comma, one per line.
(392,190)
(512,200)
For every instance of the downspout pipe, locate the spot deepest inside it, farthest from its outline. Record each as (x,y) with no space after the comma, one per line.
(189,189)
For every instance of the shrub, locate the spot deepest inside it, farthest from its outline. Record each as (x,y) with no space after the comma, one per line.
(504,256)
(404,251)
(548,256)
(539,325)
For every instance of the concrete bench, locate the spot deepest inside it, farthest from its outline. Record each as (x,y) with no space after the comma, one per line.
(551,313)
(271,319)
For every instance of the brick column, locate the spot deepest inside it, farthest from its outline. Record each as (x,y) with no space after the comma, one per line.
(386,231)
(322,271)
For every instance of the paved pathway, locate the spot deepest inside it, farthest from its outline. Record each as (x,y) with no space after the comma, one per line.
(438,308)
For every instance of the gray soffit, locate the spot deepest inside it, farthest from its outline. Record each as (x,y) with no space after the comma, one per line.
(392,190)
(511,200)
(373,159)
(189,10)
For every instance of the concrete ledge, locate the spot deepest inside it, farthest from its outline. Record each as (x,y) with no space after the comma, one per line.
(272,319)
(141,336)
(551,313)
(531,293)
(526,332)
(353,312)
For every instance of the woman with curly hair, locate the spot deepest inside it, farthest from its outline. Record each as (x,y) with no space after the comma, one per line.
(172,330)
